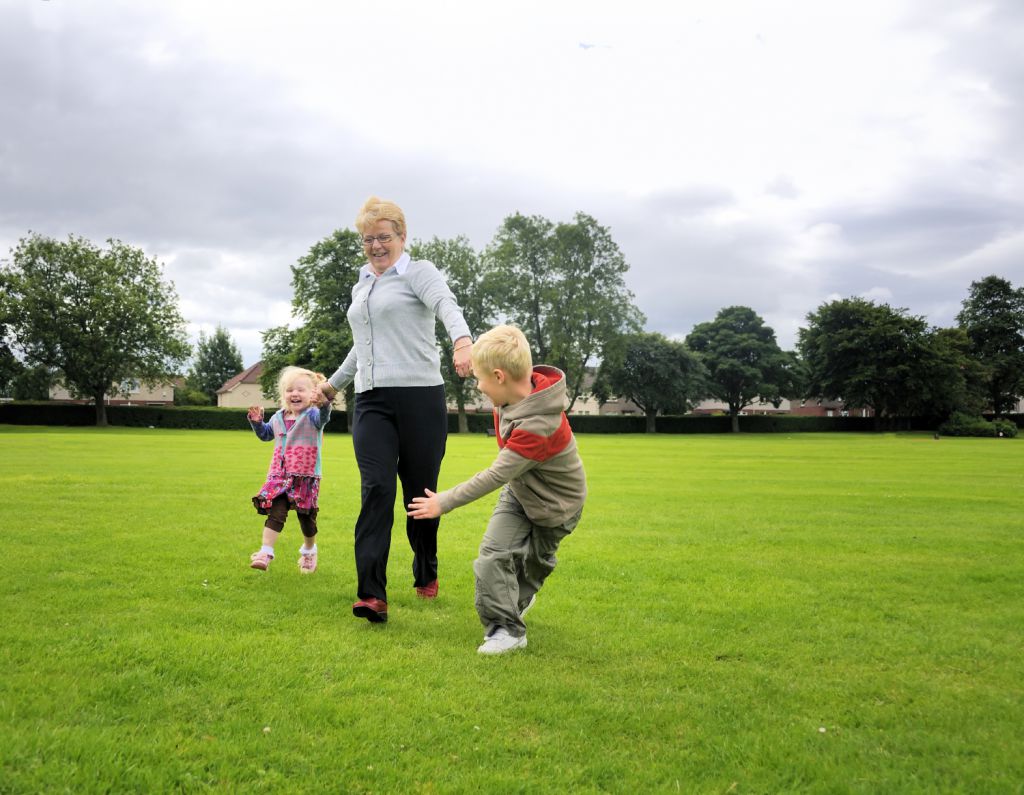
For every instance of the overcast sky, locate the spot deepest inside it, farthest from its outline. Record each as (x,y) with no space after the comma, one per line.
(769,154)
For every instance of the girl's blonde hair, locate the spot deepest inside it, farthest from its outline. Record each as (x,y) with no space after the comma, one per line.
(503,348)
(374,210)
(290,374)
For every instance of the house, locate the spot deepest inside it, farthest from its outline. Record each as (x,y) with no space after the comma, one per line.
(794,406)
(243,390)
(131,393)
(586,403)
(706,407)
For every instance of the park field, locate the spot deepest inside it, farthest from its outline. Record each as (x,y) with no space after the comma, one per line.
(734,614)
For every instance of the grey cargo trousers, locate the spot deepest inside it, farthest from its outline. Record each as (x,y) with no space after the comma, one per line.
(515,558)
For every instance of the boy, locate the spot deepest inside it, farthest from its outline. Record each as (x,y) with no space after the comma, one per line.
(544,485)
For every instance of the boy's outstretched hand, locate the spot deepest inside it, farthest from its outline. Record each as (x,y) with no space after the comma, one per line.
(255,413)
(428,507)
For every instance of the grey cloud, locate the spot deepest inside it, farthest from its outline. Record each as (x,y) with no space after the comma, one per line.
(783,187)
(215,170)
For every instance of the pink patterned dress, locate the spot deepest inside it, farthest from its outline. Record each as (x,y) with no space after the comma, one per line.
(295,466)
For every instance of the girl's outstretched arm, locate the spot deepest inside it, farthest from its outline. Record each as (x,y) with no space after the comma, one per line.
(262,430)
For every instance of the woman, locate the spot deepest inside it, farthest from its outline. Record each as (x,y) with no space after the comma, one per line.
(400,423)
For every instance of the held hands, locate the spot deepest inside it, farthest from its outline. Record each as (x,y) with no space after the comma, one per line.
(325,393)
(462,357)
(428,507)
(255,413)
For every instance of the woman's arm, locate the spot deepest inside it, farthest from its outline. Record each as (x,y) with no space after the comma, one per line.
(341,377)
(431,288)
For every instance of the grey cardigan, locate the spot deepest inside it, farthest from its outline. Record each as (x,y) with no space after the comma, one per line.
(393,318)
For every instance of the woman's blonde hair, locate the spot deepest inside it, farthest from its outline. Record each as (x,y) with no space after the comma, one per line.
(290,374)
(503,348)
(374,210)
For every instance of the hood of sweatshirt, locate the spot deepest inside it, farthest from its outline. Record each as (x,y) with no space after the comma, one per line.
(548,396)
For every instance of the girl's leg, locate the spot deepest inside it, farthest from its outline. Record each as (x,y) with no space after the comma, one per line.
(307,523)
(275,523)
(308,553)
(271,531)
(270,537)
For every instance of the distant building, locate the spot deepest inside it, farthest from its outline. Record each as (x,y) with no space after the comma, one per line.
(132,393)
(243,390)
(802,408)
(718,407)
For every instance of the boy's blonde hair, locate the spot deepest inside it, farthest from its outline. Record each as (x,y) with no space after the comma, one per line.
(374,210)
(503,348)
(290,374)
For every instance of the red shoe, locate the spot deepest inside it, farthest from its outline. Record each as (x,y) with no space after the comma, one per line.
(428,591)
(373,610)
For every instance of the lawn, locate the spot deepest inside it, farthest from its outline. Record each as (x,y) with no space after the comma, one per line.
(749,614)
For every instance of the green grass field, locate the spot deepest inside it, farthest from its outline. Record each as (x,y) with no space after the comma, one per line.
(750,614)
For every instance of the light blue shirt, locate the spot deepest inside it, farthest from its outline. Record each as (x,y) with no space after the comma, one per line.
(393,318)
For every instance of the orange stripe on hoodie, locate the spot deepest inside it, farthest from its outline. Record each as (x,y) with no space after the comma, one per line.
(533,445)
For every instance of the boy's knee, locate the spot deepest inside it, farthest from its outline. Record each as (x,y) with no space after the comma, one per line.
(492,558)
(494,551)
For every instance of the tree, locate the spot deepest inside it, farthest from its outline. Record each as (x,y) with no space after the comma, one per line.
(564,286)
(98,317)
(10,367)
(16,379)
(948,378)
(993,317)
(875,356)
(657,374)
(743,359)
(33,383)
(462,269)
(322,282)
(217,359)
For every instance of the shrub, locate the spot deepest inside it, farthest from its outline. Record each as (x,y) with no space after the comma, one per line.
(1005,428)
(961,424)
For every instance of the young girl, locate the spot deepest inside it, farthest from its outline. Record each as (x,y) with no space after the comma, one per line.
(293,480)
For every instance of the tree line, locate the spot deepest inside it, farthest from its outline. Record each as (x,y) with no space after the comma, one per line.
(93,318)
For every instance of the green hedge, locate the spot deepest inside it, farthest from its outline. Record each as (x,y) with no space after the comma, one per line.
(209,417)
(46,413)
(478,423)
(594,423)
(52,413)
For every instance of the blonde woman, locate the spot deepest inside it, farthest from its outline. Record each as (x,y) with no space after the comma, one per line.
(293,480)
(400,422)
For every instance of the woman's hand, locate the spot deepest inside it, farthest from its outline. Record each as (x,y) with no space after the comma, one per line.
(326,393)
(462,358)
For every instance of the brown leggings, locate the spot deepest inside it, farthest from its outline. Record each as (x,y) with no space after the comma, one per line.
(278,513)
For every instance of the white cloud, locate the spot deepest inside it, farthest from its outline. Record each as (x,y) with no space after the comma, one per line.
(769,155)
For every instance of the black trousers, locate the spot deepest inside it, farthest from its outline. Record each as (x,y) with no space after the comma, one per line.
(396,431)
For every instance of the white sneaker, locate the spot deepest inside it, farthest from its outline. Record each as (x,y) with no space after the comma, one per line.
(529,605)
(500,641)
